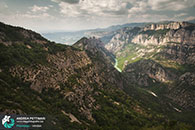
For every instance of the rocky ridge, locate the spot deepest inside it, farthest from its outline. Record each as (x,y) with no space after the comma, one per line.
(159,53)
(153,34)
(169,25)
(144,72)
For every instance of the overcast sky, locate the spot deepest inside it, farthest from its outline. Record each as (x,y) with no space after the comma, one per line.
(52,15)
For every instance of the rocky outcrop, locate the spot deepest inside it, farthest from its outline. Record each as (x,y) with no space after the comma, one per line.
(183,94)
(181,53)
(154,34)
(173,46)
(116,43)
(121,38)
(94,47)
(164,37)
(187,78)
(76,69)
(169,25)
(50,77)
(145,72)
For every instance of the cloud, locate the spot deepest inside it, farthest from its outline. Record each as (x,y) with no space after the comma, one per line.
(3,6)
(172,5)
(32,16)
(120,8)
(112,11)
(71,1)
(67,1)
(94,8)
(36,8)
(139,7)
(180,15)
(82,14)
(148,18)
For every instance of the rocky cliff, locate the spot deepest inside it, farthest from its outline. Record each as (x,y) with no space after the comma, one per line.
(168,25)
(145,72)
(184,35)
(154,34)
(158,57)
(121,38)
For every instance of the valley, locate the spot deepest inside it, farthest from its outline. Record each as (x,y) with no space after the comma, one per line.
(137,76)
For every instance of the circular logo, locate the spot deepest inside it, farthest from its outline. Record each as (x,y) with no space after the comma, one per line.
(8,123)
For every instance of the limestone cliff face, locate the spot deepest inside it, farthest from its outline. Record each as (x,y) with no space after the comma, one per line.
(181,35)
(154,34)
(121,38)
(160,53)
(182,53)
(177,40)
(169,25)
(117,42)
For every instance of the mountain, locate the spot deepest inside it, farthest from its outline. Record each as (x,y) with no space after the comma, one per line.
(191,21)
(154,39)
(77,87)
(159,58)
(69,38)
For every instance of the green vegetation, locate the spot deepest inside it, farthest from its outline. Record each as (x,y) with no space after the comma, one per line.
(53,48)
(14,34)
(19,54)
(134,52)
(155,33)
(18,96)
(113,109)
(127,53)
(174,66)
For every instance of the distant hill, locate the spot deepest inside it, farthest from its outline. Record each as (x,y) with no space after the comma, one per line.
(70,38)
(191,21)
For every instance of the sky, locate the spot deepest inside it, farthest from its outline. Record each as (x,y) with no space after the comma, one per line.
(71,15)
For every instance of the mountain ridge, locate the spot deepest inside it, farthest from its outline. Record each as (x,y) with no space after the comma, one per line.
(67,82)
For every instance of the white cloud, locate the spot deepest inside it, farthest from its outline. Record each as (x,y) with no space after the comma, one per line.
(69,10)
(139,7)
(67,1)
(32,16)
(36,8)
(148,18)
(3,6)
(180,15)
(174,5)
(121,11)
(95,8)
(83,14)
